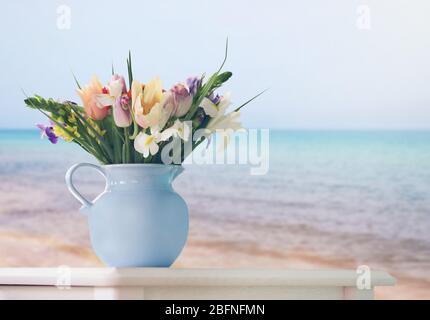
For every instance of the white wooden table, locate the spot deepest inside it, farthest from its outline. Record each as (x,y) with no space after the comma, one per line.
(160,283)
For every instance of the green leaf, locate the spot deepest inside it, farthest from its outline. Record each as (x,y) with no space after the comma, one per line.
(129,70)
(220,79)
(76,80)
(254,97)
(225,56)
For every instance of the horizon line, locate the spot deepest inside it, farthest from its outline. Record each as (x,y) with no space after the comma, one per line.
(399,128)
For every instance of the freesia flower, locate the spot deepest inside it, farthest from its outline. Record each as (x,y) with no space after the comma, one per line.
(214,99)
(47,131)
(193,84)
(217,109)
(178,129)
(92,106)
(116,96)
(182,99)
(147,143)
(226,122)
(161,105)
(220,121)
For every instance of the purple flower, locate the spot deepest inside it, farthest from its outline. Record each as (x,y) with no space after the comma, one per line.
(214,99)
(48,132)
(193,84)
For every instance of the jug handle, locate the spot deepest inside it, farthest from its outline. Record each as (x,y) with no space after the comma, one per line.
(69,182)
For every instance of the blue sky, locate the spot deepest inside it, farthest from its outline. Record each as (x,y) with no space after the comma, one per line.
(323,71)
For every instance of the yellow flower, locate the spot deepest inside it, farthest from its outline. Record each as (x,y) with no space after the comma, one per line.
(72,118)
(144,97)
(60,132)
(152,94)
(75,131)
(149,104)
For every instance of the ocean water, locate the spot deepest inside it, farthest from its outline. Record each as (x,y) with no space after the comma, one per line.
(348,196)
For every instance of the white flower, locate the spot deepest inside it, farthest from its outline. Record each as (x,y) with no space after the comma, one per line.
(219,120)
(223,124)
(147,143)
(178,129)
(213,110)
(228,121)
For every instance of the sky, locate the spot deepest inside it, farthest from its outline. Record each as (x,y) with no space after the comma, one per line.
(338,64)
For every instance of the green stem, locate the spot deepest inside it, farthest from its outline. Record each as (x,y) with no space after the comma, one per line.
(126,150)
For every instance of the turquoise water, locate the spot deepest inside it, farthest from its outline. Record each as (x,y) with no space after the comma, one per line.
(360,194)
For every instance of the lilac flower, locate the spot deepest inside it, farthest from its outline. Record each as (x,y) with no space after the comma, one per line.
(214,99)
(48,132)
(193,83)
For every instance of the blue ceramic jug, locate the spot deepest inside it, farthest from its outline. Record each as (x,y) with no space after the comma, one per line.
(139,220)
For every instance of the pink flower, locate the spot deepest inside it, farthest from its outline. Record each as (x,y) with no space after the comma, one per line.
(88,95)
(182,99)
(116,96)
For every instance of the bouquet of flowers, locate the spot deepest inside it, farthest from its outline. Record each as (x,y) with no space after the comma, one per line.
(120,124)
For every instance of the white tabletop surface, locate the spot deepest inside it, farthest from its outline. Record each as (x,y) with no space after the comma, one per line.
(184,277)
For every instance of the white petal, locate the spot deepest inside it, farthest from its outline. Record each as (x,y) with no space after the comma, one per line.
(228,121)
(104,100)
(153,148)
(139,143)
(115,88)
(209,107)
(224,103)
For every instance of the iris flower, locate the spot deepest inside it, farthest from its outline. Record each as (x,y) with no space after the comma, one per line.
(47,131)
